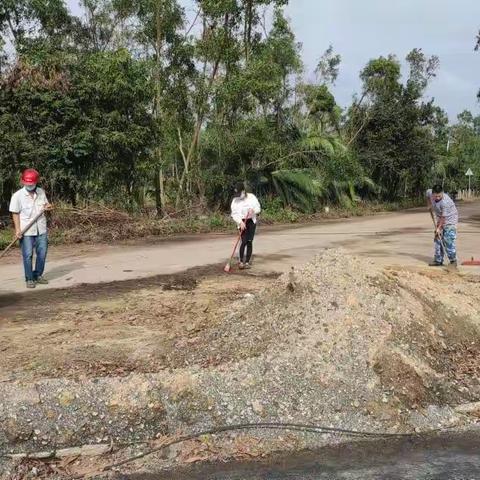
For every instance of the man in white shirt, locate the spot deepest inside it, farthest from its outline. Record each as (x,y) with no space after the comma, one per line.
(26,204)
(245,208)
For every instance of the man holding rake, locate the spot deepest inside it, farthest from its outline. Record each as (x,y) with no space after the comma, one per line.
(445,215)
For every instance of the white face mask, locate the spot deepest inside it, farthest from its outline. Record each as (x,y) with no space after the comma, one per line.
(243,196)
(30,188)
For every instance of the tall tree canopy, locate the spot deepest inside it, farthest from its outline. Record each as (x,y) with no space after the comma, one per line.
(136,104)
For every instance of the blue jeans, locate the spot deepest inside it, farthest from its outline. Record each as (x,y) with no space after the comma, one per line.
(449,237)
(39,243)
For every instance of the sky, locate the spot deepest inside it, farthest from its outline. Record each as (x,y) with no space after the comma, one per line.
(360,30)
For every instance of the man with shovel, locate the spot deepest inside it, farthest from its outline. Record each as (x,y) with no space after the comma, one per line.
(445,216)
(27,207)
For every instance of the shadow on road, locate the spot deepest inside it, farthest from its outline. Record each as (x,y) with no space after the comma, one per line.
(63,270)
(186,280)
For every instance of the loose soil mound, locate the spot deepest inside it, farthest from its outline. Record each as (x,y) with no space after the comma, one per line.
(340,342)
(407,338)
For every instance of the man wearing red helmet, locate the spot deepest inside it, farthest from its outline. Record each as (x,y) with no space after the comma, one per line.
(26,204)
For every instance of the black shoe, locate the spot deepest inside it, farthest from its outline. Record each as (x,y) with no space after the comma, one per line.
(435,264)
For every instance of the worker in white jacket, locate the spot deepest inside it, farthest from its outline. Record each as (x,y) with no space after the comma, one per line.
(245,208)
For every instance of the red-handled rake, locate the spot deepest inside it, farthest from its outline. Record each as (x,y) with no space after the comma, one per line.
(228,266)
(471,263)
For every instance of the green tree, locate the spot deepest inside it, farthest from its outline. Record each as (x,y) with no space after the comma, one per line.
(328,67)
(464,152)
(248,121)
(158,33)
(392,127)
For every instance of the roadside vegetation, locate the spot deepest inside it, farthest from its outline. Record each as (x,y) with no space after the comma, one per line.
(98,224)
(142,107)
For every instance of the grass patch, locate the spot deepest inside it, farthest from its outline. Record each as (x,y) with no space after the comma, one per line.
(6,236)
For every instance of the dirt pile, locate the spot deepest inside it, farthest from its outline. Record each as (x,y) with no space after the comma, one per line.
(342,341)
(339,342)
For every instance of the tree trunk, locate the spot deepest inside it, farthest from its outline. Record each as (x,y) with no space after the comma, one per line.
(162,187)
(189,155)
(5,193)
(73,197)
(248,28)
(158,192)
(158,174)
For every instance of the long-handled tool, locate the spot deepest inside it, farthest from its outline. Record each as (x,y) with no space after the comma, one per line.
(440,238)
(12,243)
(228,266)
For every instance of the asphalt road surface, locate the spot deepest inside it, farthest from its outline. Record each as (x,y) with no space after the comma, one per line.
(438,458)
(402,238)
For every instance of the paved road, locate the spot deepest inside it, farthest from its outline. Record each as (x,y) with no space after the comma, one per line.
(399,238)
(452,457)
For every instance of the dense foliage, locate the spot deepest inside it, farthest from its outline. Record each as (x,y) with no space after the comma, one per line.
(134,105)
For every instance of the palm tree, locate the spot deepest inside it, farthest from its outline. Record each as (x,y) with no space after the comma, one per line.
(323,169)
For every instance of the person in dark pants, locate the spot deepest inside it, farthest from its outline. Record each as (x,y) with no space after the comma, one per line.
(245,208)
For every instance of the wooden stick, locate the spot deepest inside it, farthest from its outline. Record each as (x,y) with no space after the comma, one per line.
(442,241)
(23,232)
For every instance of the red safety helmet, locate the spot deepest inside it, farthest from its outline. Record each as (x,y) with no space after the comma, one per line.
(30,176)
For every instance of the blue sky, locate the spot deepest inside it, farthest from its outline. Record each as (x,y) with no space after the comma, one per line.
(363,29)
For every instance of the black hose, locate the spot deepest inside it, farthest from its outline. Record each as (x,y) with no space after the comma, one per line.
(262,426)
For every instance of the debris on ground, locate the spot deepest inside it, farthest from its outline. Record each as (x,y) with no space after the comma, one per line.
(340,342)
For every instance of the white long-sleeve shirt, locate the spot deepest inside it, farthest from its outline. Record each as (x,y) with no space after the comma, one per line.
(241,206)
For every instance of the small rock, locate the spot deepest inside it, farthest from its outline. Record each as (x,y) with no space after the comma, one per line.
(257,407)
(16,431)
(66,398)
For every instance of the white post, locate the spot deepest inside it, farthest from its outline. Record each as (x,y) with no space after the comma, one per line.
(469,174)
